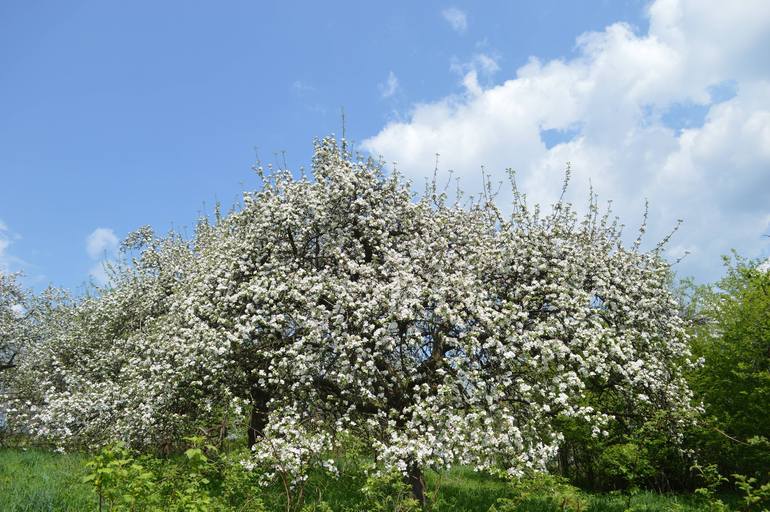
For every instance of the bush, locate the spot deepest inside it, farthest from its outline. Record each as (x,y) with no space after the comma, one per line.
(541,491)
(733,340)
(624,466)
(388,493)
(195,483)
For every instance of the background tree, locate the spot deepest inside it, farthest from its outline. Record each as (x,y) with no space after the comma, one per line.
(107,366)
(734,380)
(13,320)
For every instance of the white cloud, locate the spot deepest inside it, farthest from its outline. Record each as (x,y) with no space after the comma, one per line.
(98,273)
(4,243)
(101,242)
(102,245)
(390,86)
(480,64)
(456,19)
(611,98)
(301,88)
(6,260)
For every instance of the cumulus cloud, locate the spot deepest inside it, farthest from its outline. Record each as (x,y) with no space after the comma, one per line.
(101,245)
(98,273)
(6,239)
(389,87)
(456,19)
(608,110)
(480,65)
(4,243)
(100,242)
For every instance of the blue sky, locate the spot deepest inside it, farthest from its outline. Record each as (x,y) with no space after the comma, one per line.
(115,115)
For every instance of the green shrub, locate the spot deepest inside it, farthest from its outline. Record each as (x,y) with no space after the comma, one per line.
(755,496)
(624,466)
(542,492)
(193,483)
(733,340)
(389,493)
(121,482)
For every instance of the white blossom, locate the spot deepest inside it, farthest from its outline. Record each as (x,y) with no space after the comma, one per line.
(343,305)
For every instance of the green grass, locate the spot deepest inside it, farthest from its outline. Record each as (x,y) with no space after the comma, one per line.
(465,489)
(36,481)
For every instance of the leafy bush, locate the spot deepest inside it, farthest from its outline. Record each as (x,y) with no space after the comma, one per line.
(543,492)
(196,483)
(624,466)
(754,494)
(388,493)
(122,482)
(733,340)
(712,481)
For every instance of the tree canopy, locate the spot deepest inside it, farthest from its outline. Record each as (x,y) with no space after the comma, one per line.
(12,309)
(440,331)
(734,379)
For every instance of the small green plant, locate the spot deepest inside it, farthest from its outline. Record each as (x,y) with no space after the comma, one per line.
(545,491)
(120,481)
(239,487)
(754,495)
(125,483)
(712,480)
(320,506)
(626,466)
(387,492)
(192,492)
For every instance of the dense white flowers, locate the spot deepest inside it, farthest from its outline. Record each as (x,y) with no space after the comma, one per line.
(341,304)
(13,309)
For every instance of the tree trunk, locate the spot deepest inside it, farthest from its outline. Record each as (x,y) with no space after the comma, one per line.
(414,478)
(258,417)
(564,461)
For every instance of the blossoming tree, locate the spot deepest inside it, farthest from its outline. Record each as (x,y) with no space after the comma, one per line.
(443,334)
(12,312)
